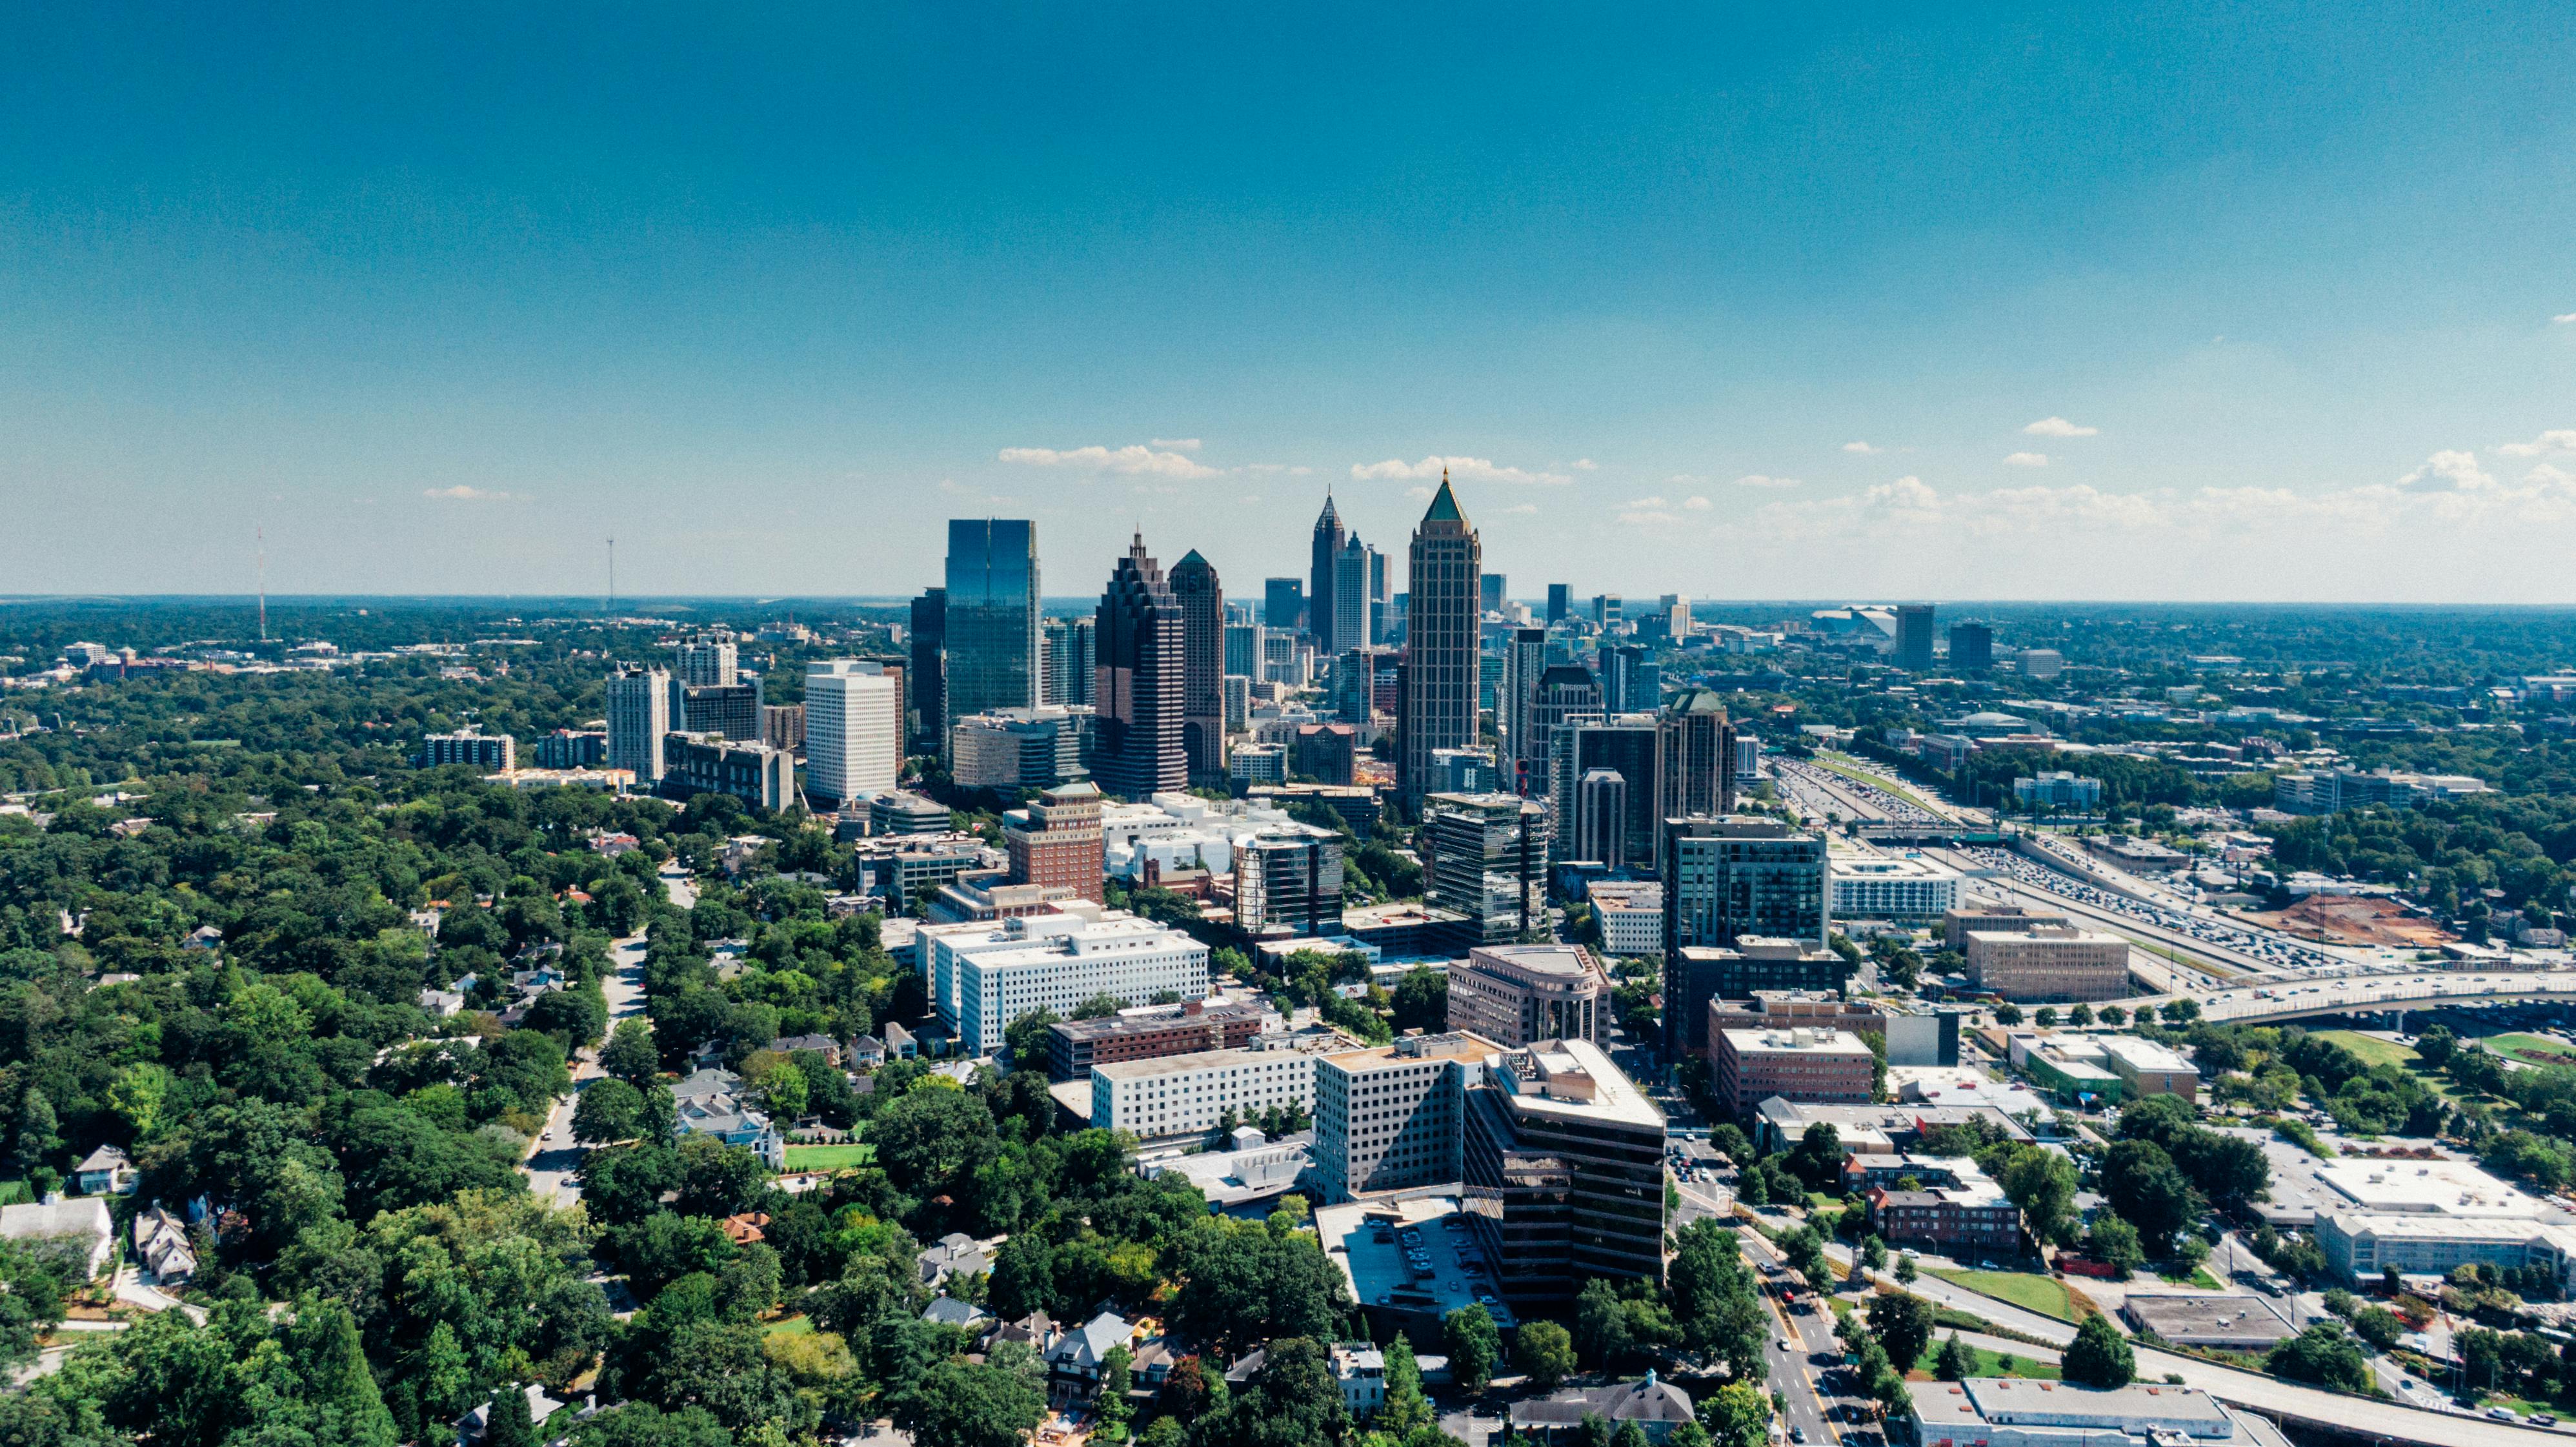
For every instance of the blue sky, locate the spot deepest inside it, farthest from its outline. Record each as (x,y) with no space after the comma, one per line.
(442,297)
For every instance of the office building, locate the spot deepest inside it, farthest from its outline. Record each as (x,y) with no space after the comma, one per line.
(1288,881)
(1176,1097)
(1697,752)
(1891,887)
(1057,841)
(1812,1065)
(1954,1209)
(1487,860)
(1201,594)
(782,726)
(729,710)
(1560,603)
(1324,554)
(2225,1323)
(1148,1032)
(1524,664)
(1243,650)
(1563,1157)
(2041,663)
(2427,1218)
(1518,995)
(1257,764)
(1019,748)
(927,719)
(1631,914)
(2019,1412)
(1440,674)
(2147,1068)
(1600,819)
(1748,761)
(2058,790)
(1138,696)
(1352,567)
(853,731)
(1564,692)
(984,976)
(492,753)
(1382,617)
(1388,1118)
(1972,648)
(990,623)
(1237,690)
(902,813)
(755,773)
(1607,611)
(1491,589)
(1465,771)
(1629,745)
(572,749)
(1697,975)
(1283,604)
(1630,680)
(1325,753)
(1914,637)
(639,714)
(1985,914)
(2048,963)
(1287,659)
(1070,661)
(1741,875)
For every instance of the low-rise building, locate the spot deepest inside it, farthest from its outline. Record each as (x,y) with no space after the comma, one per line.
(2071,1069)
(1206,1094)
(84,1219)
(1631,913)
(1657,1407)
(2020,1412)
(1517,994)
(710,763)
(2148,1068)
(1985,914)
(710,1102)
(1148,1032)
(2049,963)
(1779,1125)
(107,1171)
(1253,1168)
(1697,974)
(2225,1322)
(163,1248)
(2427,1217)
(1890,887)
(983,977)
(1825,1066)
(1957,1210)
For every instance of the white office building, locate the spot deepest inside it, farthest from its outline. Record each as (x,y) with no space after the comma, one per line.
(984,976)
(639,713)
(1190,1095)
(1892,887)
(1632,917)
(853,731)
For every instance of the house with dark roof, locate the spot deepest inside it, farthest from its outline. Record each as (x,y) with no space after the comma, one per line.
(1656,1406)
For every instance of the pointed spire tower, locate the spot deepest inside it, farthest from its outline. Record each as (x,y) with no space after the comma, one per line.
(1329,535)
(1138,674)
(1445,582)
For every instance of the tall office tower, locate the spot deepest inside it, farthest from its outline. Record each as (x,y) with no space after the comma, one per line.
(1196,587)
(1325,556)
(1698,764)
(1487,859)
(1354,695)
(639,714)
(1914,637)
(1606,611)
(1289,882)
(1243,649)
(1725,878)
(853,731)
(1069,661)
(1439,704)
(1972,648)
(1349,614)
(1629,745)
(1560,602)
(929,720)
(1565,1160)
(1565,691)
(1600,831)
(1490,589)
(992,619)
(1056,842)
(1630,680)
(728,709)
(1524,663)
(1238,702)
(1139,682)
(1381,614)
(708,660)
(1286,658)
(1283,604)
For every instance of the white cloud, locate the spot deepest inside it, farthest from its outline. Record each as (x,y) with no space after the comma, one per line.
(2060,427)
(1861,447)
(1585,464)
(1697,504)
(2027,459)
(1418,494)
(1526,509)
(2448,471)
(1131,459)
(1755,479)
(1648,512)
(1177,444)
(1464,469)
(461,493)
(2563,318)
(2557,439)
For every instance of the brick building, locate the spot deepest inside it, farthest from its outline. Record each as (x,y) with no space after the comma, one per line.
(1075,1046)
(1832,1067)
(1056,841)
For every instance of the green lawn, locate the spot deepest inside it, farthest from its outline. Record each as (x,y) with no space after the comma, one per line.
(2529,1049)
(2199,1277)
(2027,1290)
(2372,1050)
(829,1158)
(1989,1364)
(790,1326)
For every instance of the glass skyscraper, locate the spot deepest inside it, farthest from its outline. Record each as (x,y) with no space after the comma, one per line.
(991,616)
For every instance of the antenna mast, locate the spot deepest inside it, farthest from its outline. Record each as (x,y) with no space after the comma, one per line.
(612,577)
(261,535)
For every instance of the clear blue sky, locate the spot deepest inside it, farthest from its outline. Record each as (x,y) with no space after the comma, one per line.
(443,297)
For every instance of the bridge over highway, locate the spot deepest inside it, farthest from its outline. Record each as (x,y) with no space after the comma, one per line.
(2291,1000)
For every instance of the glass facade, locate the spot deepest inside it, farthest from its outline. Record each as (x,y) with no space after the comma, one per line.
(991,616)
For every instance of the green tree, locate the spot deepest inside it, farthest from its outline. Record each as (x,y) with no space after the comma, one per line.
(1955,1361)
(1600,1324)
(2115,1242)
(1903,1326)
(630,1054)
(968,1405)
(1407,1411)
(1737,1415)
(609,1110)
(2043,1183)
(2141,1183)
(2324,1355)
(1474,1346)
(509,1424)
(1546,1354)
(2099,1356)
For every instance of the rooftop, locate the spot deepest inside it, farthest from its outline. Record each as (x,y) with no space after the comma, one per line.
(2016,1402)
(1812,1040)
(1381,1277)
(2444,1188)
(1574,1079)
(1197,1060)
(1454,1045)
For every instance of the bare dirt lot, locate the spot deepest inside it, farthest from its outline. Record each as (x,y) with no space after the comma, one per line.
(2355,920)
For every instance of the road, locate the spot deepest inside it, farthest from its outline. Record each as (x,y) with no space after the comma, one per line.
(676,884)
(1797,1370)
(554,1161)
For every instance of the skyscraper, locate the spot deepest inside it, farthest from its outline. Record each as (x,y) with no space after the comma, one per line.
(1972,648)
(992,616)
(1243,649)
(1350,613)
(1524,663)
(1560,602)
(1202,598)
(708,660)
(1627,745)
(1139,681)
(1490,589)
(1698,764)
(1564,691)
(853,731)
(1283,604)
(639,714)
(1319,581)
(1914,637)
(930,668)
(1439,705)
(1630,680)
(1070,660)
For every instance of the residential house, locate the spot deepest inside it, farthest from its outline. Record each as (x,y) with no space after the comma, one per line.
(949,1311)
(1656,1406)
(476,1426)
(107,1172)
(710,1103)
(1074,1363)
(162,1246)
(823,1045)
(955,1254)
(83,1218)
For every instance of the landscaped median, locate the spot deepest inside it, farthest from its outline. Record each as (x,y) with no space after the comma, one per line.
(2026,1289)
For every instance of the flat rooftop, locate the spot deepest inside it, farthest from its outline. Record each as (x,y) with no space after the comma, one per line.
(1196,1060)
(1379,1273)
(2018,1402)
(1806,1040)
(1413,1050)
(2193,1317)
(2146,1055)
(2446,1188)
(1564,960)
(1575,1080)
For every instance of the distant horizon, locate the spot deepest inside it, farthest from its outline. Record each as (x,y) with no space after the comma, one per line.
(1076,600)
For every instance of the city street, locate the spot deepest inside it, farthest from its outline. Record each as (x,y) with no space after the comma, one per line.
(554,1160)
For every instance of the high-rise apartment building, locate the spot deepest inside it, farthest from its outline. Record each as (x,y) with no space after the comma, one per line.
(853,731)
(1727,877)
(1564,692)
(1521,994)
(708,660)
(1487,860)
(1289,882)
(1071,661)
(1914,637)
(928,723)
(1283,604)
(704,763)
(1441,629)
(1560,603)
(472,747)
(1524,664)
(1629,745)
(1608,612)
(639,714)
(1243,647)
(1325,555)
(1972,648)
(1056,842)
(1630,680)
(1598,827)
(1696,975)
(991,623)
(782,726)
(729,710)
(1201,594)
(1139,682)
(1698,765)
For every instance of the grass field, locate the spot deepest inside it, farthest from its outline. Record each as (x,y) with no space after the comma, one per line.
(2199,1278)
(790,1326)
(2372,1050)
(2027,1290)
(829,1158)
(1989,1364)
(2529,1049)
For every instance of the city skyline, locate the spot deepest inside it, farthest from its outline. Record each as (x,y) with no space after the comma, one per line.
(1999,303)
